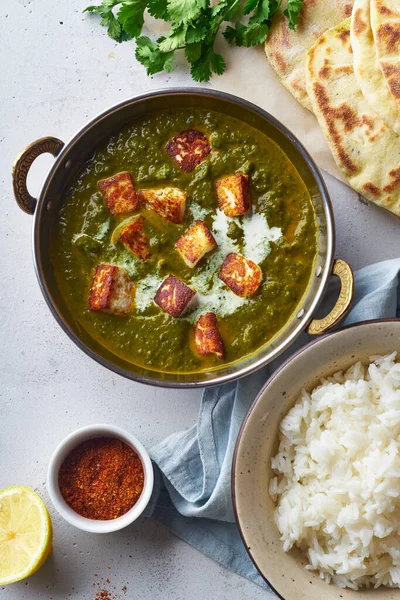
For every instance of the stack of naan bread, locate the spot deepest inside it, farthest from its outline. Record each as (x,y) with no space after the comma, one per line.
(343,63)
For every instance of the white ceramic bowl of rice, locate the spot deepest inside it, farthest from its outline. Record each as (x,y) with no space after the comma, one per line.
(316,474)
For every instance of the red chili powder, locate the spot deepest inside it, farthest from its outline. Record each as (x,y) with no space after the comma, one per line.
(101,478)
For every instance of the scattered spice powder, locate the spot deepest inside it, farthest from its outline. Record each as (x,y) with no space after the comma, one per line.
(107,592)
(104,595)
(101,478)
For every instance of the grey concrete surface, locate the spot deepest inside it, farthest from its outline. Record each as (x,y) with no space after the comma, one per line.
(57,70)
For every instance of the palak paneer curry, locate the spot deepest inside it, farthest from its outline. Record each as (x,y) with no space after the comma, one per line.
(187,242)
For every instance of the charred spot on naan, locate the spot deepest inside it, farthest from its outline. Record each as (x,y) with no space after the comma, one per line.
(348,9)
(371,188)
(325,70)
(344,37)
(393,186)
(280,62)
(384,10)
(388,37)
(359,24)
(392,74)
(369,123)
(173,296)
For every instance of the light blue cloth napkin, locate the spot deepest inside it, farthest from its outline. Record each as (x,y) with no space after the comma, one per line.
(194,496)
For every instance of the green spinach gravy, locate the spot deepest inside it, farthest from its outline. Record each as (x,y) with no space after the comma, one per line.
(280,236)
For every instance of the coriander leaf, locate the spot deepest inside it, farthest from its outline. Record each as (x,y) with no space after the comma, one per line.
(257,29)
(208,63)
(218,64)
(114,28)
(255,33)
(193,52)
(234,11)
(219,8)
(92,9)
(168,56)
(174,40)
(149,55)
(183,11)
(168,63)
(158,9)
(131,17)
(198,30)
(292,11)
(247,35)
(250,6)
(234,35)
(225,10)
(264,12)
(104,7)
(108,19)
(230,34)
(201,71)
(203,4)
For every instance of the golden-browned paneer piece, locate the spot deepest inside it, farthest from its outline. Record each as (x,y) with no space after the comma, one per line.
(234,194)
(111,291)
(173,296)
(188,149)
(135,238)
(241,275)
(168,202)
(119,194)
(195,243)
(207,337)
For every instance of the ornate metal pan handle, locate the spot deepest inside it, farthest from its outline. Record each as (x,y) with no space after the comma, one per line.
(343,304)
(21,169)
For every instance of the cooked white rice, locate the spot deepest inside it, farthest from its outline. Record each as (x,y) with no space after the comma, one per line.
(337,476)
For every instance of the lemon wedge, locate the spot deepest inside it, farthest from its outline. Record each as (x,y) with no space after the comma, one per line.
(25,533)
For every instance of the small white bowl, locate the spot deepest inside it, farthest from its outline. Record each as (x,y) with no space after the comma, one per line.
(61,452)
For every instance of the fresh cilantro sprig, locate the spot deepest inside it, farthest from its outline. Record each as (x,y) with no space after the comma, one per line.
(292,12)
(258,26)
(194,26)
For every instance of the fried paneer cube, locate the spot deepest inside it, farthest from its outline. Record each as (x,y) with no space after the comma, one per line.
(135,238)
(233,194)
(111,291)
(188,149)
(174,296)
(195,243)
(119,194)
(241,275)
(168,202)
(207,337)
